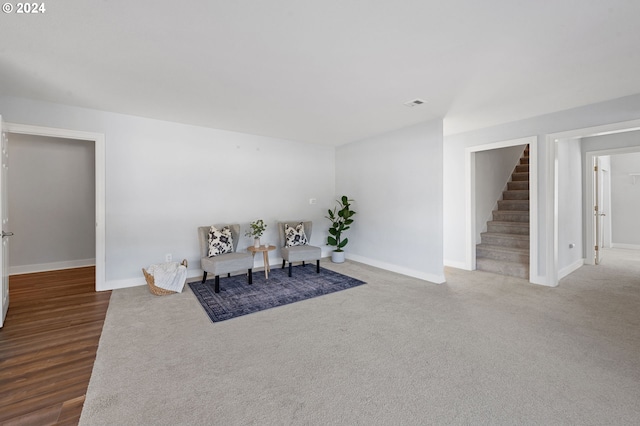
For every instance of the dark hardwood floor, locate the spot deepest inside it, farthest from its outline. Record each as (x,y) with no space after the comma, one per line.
(48,346)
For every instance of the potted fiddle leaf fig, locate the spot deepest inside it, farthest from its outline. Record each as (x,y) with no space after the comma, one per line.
(341,220)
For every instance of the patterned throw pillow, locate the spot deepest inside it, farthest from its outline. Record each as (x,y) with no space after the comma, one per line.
(295,236)
(220,241)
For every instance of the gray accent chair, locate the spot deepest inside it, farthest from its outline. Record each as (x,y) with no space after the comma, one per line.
(224,263)
(298,253)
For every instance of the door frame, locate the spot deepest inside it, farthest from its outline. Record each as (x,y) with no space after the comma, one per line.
(551,176)
(100,176)
(589,202)
(470,200)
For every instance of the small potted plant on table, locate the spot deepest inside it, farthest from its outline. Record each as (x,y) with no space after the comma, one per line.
(341,219)
(257,229)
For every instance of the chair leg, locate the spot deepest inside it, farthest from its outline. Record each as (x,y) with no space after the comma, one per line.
(216,286)
(289,269)
(283,262)
(204,277)
(318,266)
(303,264)
(250,277)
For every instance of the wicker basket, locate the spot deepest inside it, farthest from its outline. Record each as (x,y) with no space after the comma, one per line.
(157,290)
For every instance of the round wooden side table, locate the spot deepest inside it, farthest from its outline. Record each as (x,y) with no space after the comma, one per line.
(265,255)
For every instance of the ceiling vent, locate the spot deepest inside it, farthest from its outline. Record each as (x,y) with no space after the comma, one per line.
(415,102)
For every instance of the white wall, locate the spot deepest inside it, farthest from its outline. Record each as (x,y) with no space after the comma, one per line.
(619,110)
(164,179)
(51,203)
(611,142)
(570,206)
(625,200)
(493,170)
(396,182)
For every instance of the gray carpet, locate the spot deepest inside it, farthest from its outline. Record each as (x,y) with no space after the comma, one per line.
(481,349)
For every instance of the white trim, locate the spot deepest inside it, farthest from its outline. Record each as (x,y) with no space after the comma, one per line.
(605,129)
(470,201)
(455,264)
(326,254)
(588,199)
(100,167)
(551,160)
(53,266)
(534,232)
(571,268)
(126,283)
(470,209)
(502,144)
(139,282)
(433,278)
(625,246)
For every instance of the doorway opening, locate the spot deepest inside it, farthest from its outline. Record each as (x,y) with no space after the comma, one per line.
(604,215)
(552,247)
(471,208)
(51,200)
(99,154)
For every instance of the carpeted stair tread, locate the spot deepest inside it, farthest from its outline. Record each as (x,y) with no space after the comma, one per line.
(506,235)
(513,205)
(505,240)
(509,254)
(512,269)
(503,249)
(520,176)
(515,194)
(508,223)
(504,227)
(515,185)
(521,216)
(525,212)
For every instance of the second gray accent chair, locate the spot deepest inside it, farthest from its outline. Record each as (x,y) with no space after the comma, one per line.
(223,263)
(298,253)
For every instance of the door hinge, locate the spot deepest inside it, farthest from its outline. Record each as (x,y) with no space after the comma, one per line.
(595,168)
(595,248)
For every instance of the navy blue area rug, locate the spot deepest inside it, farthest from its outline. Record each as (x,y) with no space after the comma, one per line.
(237,298)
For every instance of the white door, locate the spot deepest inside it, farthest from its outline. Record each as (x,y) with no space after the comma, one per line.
(598,208)
(4,209)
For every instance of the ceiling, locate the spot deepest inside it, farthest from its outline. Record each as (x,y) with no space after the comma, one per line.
(328,71)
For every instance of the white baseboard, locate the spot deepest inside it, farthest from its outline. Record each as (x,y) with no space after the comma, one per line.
(193,274)
(626,246)
(456,264)
(434,278)
(126,283)
(54,266)
(196,273)
(569,269)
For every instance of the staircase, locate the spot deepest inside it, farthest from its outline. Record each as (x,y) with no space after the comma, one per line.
(504,248)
